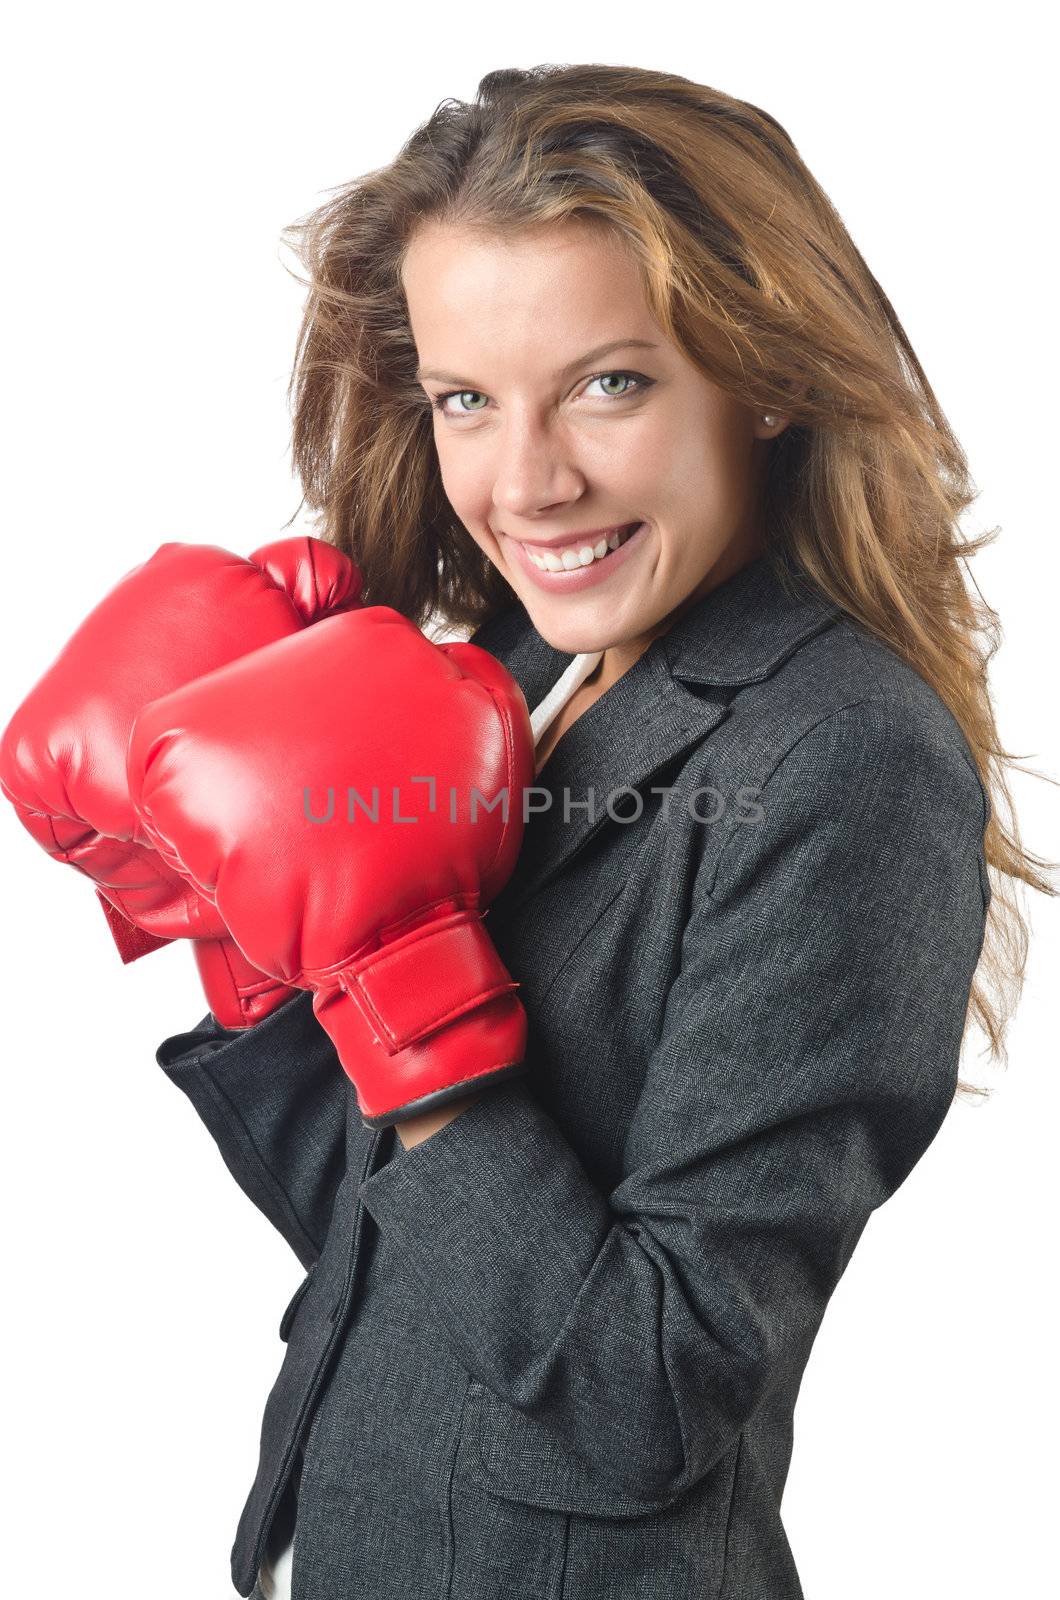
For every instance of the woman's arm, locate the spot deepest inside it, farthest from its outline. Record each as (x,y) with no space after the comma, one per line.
(809,1055)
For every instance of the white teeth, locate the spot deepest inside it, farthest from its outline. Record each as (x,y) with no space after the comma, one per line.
(578,555)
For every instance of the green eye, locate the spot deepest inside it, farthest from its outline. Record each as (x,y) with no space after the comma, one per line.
(624,377)
(439,400)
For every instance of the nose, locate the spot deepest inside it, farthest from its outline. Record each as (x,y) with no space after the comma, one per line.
(534,472)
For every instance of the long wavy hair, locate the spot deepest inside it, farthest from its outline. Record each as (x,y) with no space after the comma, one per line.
(748,268)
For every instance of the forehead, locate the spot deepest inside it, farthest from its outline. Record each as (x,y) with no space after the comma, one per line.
(570,282)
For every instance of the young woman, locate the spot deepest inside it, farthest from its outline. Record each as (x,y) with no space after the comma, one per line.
(594,370)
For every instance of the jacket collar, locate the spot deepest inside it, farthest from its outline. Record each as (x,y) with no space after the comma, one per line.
(737,634)
(741,631)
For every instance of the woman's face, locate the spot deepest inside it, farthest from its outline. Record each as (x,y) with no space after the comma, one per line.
(546,441)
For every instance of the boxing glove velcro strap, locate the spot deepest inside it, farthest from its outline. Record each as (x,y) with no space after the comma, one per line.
(132,941)
(426,979)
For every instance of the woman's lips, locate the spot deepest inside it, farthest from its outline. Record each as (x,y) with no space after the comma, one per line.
(578,578)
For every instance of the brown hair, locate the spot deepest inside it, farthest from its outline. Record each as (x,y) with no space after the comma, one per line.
(748,268)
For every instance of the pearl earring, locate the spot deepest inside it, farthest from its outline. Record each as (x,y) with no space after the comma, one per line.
(769,419)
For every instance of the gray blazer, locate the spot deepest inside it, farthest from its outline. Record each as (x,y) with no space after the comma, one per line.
(554,1350)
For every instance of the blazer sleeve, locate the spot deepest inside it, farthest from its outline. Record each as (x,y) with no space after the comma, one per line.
(809,1054)
(274,1097)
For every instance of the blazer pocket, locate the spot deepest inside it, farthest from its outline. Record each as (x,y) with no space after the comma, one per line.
(294,1302)
(511,1455)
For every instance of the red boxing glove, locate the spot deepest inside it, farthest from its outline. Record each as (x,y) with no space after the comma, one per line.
(331,795)
(187,610)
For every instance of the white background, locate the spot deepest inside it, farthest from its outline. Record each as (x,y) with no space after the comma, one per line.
(152,157)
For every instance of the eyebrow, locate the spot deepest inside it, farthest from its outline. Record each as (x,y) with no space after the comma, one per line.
(572,366)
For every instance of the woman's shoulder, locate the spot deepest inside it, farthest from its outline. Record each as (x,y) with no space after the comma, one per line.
(848,679)
(852,773)
(846,730)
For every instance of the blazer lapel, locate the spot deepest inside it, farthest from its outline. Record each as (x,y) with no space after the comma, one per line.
(671,699)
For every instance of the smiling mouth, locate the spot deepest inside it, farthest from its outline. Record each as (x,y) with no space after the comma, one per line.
(574,557)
